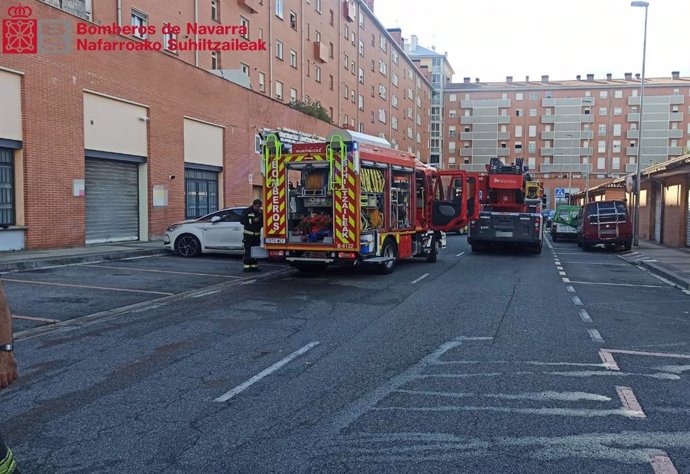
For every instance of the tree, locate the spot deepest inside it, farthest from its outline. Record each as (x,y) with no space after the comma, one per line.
(312,108)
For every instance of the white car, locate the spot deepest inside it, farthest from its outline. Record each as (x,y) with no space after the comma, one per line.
(218,232)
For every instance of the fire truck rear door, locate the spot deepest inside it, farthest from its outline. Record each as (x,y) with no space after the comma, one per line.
(449,208)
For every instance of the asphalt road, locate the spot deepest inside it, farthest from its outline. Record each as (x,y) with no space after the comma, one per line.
(568,361)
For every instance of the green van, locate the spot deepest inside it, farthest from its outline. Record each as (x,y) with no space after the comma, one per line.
(564,225)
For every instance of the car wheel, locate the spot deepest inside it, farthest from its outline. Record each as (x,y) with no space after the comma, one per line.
(389,250)
(536,248)
(188,245)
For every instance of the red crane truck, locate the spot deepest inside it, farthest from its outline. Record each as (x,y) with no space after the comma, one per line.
(510,209)
(353,200)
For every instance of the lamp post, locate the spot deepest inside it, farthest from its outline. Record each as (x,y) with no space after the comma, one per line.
(588,101)
(570,167)
(636,222)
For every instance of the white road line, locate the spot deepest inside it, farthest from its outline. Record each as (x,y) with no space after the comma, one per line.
(420,278)
(651,354)
(584,315)
(160,271)
(630,403)
(89,287)
(562,273)
(595,335)
(608,360)
(34,318)
(600,263)
(199,295)
(242,387)
(566,280)
(570,289)
(460,254)
(577,301)
(248,282)
(558,267)
(662,464)
(629,285)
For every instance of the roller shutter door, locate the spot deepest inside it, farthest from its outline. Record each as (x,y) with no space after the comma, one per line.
(687,222)
(658,208)
(112,201)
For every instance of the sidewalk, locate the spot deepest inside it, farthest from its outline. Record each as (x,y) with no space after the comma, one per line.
(669,262)
(33,259)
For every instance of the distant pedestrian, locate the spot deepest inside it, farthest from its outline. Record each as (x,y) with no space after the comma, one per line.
(252,220)
(8,374)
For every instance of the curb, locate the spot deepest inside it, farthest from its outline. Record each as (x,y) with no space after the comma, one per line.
(670,275)
(75,259)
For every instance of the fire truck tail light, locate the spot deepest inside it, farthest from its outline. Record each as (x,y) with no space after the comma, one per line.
(346,255)
(276,253)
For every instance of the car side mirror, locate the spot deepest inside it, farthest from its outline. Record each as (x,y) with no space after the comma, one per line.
(215,219)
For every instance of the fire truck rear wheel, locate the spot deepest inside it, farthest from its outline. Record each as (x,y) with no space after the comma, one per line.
(433,253)
(389,250)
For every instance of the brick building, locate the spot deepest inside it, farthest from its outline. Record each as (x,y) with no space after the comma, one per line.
(570,133)
(114,145)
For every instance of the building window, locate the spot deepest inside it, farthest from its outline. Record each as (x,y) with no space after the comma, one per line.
(617,111)
(317,73)
(616,130)
(533,96)
(279,49)
(244,22)
(602,111)
(167,38)
(616,146)
(518,112)
(601,147)
(332,18)
(361,76)
(361,48)
(293,95)
(519,96)
(601,163)
(279,90)
(317,6)
(293,20)
(452,113)
(215,12)
(518,130)
(262,82)
(618,94)
(361,20)
(245,69)
(346,61)
(279,8)
(293,58)
(215,59)
(531,147)
(330,82)
(603,94)
(602,130)
(360,102)
(331,50)
(532,131)
(201,192)
(140,21)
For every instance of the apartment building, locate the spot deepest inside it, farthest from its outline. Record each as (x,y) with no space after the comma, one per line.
(441,76)
(110,145)
(569,132)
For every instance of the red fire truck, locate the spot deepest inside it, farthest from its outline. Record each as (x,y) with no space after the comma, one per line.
(353,200)
(511,209)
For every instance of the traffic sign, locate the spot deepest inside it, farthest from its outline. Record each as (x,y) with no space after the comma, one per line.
(560,193)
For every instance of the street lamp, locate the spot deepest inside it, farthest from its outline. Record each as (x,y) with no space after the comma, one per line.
(636,222)
(570,166)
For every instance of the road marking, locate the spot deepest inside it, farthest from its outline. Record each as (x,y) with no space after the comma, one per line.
(420,278)
(199,295)
(630,403)
(248,282)
(629,285)
(89,287)
(595,335)
(34,318)
(566,280)
(570,289)
(562,273)
(651,354)
(608,360)
(558,267)
(661,464)
(460,254)
(584,315)
(243,386)
(577,300)
(160,271)
(600,263)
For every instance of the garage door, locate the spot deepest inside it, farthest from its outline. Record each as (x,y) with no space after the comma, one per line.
(658,207)
(112,201)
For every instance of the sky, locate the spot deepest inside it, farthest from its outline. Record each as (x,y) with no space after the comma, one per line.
(492,39)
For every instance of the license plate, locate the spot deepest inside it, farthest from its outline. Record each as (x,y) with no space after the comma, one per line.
(501,233)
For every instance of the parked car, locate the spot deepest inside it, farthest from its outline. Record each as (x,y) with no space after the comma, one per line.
(219,232)
(563,223)
(604,222)
(548,216)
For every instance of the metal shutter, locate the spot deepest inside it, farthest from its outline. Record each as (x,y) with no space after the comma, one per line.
(112,201)
(687,222)
(658,207)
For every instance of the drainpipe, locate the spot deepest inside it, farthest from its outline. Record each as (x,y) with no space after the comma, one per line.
(271,7)
(301,51)
(196,35)
(119,12)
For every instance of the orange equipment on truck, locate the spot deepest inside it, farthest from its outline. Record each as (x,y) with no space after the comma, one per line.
(353,200)
(511,209)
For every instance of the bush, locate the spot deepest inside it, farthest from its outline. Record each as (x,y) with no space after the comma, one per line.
(312,108)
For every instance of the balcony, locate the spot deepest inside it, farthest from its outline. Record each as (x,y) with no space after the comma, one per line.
(565,168)
(476,167)
(500,152)
(631,168)
(676,116)
(350,10)
(673,99)
(253,5)
(583,135)
(320,52)
(634,117)
(484,135)
(465,151)
(485,103)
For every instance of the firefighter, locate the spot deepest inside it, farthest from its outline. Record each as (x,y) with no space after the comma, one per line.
(8,374)
(252,221)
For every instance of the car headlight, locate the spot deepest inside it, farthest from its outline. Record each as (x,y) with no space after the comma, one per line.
(171,228)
